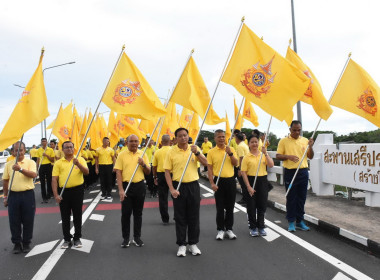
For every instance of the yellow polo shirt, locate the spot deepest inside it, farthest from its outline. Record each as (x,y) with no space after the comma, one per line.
(215,158)
(59,154)
(62,168)
(233,143)
(295,147)
(11,157)
(93,157)
(33,153)
(89,156)
(20,182)
(149,153)
(242,149)
(49,152)
(175,161)
(250,163)
(127,161)
(159,158)
(206,147)
(105,155)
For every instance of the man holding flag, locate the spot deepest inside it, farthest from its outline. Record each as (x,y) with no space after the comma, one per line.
(290,150)
(46,157)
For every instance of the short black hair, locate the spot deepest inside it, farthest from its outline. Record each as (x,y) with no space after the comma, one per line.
(257,132)
(236,131)
(219,131)
(253,136)
(106,138)
(180,129)
(240,136)
(63,144)
(42,139)
(295,122)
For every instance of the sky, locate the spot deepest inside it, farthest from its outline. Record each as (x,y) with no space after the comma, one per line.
(159,36)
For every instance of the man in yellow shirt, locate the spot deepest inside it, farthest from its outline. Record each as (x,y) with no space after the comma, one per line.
(33,153)
(225,191)
(46,157)
(206,146)
(133,200)
(291,149)
(72,197)
(20,199)
(241,150)
(159,177)
(105,159)
(12,156)
(186,201)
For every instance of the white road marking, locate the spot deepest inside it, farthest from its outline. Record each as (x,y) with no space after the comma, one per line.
(49,264)
(42,248)
(341,276)
(71,219)
(236,210)
(277,222)
(97,217)
(107,200)
(271,235)
(87,200)
(87,245)
(94,191)
(208,194)
(318,252)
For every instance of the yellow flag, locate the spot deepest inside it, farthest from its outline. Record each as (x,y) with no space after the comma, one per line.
(147,126)
(96,141)
(185,118)
(170,123)
(313,95)
(264,77)
(113,129)
(249,113)
(129,93)
(239,122)
(228,129)
(194,127)
(103,127)
(31,109)
(63,124)
(75,138)
(127,126)
(50,126)
(84,126)
(358,93)
(191,93)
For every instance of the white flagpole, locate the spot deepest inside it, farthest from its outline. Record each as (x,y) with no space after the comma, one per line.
(209,105)
(315,130)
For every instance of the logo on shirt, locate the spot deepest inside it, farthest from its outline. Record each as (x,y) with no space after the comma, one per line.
(258,79)
(127,92)
(367,102)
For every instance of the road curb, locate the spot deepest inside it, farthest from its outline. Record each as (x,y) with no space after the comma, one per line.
(372,247)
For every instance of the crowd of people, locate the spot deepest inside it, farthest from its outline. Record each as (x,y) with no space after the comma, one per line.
(160,170)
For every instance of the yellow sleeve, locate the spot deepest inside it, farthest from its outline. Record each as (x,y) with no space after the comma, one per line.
(119,163)
(6,171)
(56,168)
(83,162)
(244,164)
(168,162)
(32,166)
(154,162)
(146,160)
(281,147)
(209,158)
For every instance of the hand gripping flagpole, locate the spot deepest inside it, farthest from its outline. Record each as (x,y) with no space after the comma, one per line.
(315,130)
(14,171)
(39,163)
(212,98)
(154,130)
(93,117)
(229,141)
(261,156)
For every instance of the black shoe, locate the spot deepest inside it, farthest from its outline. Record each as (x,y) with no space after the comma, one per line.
(26,248)
(17,249)
(125,244)
(138,242)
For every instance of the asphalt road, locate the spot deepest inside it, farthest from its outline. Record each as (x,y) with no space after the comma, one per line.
(282,255)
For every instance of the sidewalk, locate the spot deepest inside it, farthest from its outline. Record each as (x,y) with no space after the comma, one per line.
(349,219)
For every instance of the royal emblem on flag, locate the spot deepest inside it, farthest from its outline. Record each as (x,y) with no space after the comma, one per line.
(64,131)
(127,92)
(119,126)
(367,102)
(169,132)
(129,120)
(309,91)
(258,79)
(188,118)
(247,113)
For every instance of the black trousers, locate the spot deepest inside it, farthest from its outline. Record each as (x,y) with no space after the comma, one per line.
(72,202)
(21,211)
(163,191)
(152,188)
(105,174)
(87,178)
(186,213)
(205,167)
(35,159)
(257,204)
(93,177)
(225,200)
(242,184)
(44,173)
(133,203)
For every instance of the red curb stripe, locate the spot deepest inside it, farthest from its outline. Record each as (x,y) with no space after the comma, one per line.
(41,210)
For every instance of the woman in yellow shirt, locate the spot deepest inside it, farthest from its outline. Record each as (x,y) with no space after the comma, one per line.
(258,196)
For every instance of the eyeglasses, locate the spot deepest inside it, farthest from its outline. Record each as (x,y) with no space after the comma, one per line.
(68,148)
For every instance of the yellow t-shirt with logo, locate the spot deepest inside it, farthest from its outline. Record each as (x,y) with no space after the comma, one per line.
(251,162)
(215,158)
(295,147)
(127,162)
(20,182)
(49,151)
(159,158)
(105,155)
(62,168)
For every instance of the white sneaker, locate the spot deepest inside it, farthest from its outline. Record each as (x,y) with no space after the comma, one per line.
(181,251)
(220,235)
(230,234)
(193,249)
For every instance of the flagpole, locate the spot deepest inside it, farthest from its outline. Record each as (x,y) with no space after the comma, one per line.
(261,156)
(14,171)
(315,130)
(229,141)
(154,130)
(212,98)
(93,117)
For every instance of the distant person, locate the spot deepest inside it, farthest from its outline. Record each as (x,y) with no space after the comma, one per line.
(105,159)
(257,197)
(186,200)
(233,141)
(241,150)
(290,150)
(33,153)
(71,201)
(133,201)
(12,156)
(46,157)
(225,191)
(20,199)
(206,146)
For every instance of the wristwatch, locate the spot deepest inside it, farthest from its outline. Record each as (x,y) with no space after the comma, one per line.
(197,153)
(20,170)
(231,154)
